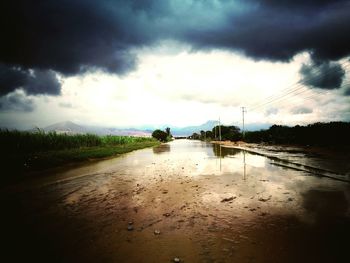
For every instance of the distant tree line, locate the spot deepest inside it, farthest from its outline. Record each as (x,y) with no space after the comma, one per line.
(316,134)
(322,134)
(228,133)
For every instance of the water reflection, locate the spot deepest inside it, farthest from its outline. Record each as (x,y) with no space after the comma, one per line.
(163,148)
(280,186)
(182,178)
(244,166)
(220,151)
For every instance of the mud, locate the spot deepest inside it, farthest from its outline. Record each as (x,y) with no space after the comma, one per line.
(187,199)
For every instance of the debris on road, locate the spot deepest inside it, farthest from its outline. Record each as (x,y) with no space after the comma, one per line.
(228,199)
(130,226)
(264,199)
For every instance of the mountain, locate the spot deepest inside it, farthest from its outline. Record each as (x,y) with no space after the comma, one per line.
(189,130)
(73,128)
(209,125)
(66,127)
(257,126)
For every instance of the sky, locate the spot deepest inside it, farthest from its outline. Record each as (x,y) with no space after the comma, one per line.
(128,63)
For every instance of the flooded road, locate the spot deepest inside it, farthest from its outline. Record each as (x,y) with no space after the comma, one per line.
(186,199)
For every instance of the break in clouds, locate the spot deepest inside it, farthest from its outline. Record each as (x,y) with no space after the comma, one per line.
(47,38)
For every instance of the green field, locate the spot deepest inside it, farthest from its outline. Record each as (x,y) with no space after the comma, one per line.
(30,151)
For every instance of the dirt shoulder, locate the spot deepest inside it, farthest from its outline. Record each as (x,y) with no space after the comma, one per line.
(23,165)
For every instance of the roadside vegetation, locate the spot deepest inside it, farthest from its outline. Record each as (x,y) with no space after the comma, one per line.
(162,136)
(27,151)
(228,133)
(332,134)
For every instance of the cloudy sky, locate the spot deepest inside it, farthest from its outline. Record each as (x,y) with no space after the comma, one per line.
(177,62)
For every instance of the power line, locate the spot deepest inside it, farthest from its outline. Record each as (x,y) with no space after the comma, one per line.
(298,86)
(286,96)
(299,83)
(313,95)
(278,98)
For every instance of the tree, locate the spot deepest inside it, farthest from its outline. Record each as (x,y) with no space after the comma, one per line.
(160,135)
(203,137)
(195,136)
(209,135)
(231,133)
(167,130)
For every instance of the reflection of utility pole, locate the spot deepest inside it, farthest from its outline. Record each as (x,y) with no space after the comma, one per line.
(243,111)
(244,168)
(219,130)
(220,156)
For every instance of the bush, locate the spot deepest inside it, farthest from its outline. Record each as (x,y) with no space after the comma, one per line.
(160,135)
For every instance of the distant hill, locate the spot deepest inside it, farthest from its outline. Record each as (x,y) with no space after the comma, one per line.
(73,128)
(189,130)
(209,125)
(66,127)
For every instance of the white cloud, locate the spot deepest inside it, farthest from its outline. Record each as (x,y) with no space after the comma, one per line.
(176,86)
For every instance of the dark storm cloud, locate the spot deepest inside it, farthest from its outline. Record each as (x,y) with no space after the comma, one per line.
(68,36)
(304,4)
(72,36)
(301,110)
(346,90)
(323,75)
(16,101)
(32,81)
(277,30)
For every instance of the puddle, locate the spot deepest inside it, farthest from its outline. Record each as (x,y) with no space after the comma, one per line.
(209,203)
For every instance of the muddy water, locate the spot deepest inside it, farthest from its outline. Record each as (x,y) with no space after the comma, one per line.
(187,199)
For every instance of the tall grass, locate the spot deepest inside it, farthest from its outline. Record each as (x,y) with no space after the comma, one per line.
(119,140)
(40,141)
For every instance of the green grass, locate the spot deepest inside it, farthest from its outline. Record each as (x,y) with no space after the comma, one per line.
(21,141)
(27,151)
(55,158)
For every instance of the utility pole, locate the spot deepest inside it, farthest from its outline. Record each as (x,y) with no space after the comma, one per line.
(219,130)
(243,111)
(215,131)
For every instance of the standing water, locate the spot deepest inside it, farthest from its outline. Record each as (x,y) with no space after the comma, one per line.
(189,200)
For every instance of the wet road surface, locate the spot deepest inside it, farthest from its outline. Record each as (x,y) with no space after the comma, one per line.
(187,199)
